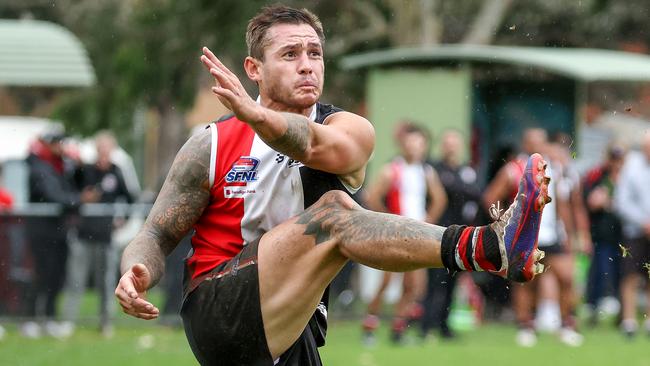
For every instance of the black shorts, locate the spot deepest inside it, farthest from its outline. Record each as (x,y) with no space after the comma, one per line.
(223,319)
(637,257)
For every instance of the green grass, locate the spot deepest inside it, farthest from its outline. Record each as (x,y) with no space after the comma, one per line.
(488,345)
(87,347)
(141,344)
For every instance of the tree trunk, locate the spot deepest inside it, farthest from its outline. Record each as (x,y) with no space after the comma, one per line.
(414,22)
(431,25)
(172,133)
(486,23)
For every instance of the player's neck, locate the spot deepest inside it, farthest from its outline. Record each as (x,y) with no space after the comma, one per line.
(451,161)
(281,107)
(411,160)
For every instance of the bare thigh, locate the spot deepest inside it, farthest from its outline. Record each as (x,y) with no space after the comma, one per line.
(299,258)
(295,268)
(562,266)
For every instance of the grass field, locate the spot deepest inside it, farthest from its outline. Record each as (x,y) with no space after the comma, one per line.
(139,344)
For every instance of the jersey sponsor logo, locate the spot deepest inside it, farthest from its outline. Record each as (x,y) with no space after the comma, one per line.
(243,170)
(236,191)
(279,158)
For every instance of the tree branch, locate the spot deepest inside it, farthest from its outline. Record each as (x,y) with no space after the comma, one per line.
(377,27)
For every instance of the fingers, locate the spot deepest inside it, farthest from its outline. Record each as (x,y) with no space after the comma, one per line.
(147,315)
(207,63)
(125,290)
(129,294)
(138,307)
(214,62)
(222,79)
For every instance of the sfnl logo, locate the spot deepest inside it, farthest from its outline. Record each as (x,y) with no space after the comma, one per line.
(243,170)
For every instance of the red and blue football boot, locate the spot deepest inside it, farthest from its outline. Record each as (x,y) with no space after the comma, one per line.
(518,227)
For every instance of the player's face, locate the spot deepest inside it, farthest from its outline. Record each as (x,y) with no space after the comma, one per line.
(104,149)
(293,70)
(414,147)
(451,145)
(56,148)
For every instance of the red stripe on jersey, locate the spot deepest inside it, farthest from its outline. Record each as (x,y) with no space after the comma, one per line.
(393,204)
(218,236)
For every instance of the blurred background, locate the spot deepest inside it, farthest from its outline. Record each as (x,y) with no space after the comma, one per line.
(102,94)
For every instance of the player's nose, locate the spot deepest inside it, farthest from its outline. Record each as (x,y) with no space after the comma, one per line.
(304,64)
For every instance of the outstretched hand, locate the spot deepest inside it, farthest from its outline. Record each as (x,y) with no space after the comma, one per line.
(229,89)
(131,293)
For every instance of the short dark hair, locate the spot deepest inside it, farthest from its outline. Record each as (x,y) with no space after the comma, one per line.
(259,25)
(406,126)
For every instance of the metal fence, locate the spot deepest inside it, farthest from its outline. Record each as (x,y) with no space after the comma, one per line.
(16,264)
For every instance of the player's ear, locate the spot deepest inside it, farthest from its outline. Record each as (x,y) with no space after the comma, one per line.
(253,68)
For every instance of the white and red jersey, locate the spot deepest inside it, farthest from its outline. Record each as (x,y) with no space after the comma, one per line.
(407,194)
(253,189)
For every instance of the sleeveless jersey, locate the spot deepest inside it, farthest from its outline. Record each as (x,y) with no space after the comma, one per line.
(253,189)
(408,191)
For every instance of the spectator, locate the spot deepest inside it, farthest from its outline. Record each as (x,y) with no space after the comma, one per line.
(633,204)
(50,181)
(558,262)
(557,295)
(6,203)
(6,198)
(93,244)
(402,188)
(606,229)
(460,184)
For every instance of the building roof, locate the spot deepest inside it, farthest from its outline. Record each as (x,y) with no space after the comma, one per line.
(38,53)
(582,64)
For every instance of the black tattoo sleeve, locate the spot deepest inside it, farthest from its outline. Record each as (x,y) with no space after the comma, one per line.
(295,140)
(180,203)
(358,225)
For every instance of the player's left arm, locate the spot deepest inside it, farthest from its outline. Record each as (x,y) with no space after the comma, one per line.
(436,191)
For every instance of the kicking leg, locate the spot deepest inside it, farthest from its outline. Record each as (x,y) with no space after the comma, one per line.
(299,258)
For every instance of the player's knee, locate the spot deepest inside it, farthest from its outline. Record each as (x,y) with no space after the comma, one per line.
(339,199)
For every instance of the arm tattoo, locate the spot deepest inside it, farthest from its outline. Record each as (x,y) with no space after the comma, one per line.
(179,205)
(358,225)
(295,140)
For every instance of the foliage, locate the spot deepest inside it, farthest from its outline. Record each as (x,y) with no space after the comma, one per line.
(145,52)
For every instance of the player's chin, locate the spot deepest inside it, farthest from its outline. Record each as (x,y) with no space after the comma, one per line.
(306,97)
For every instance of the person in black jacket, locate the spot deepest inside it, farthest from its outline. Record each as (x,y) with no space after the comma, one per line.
(599,186)
(50,181)
(463,193)
(93,247)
